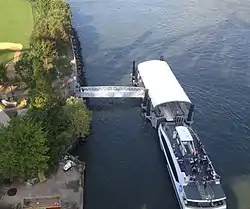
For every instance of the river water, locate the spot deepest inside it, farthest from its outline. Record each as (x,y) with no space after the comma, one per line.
(206,44)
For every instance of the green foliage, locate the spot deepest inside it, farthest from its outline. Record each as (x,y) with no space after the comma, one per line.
(39,139)
(54,20)
(62,125)
(79,115)
(40,8)
(2,107)
(23,149)
(41,94)
(24,70)
(60,19)
(55,122)
(45,50)
(3,76)
(51,33)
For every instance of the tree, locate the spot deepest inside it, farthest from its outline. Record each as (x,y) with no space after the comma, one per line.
(54,20)
(41,8)
(79,116)
(41,93)
(45,50)
(60,14)
(24,70)
(55,121)
(23,150)
(3,76)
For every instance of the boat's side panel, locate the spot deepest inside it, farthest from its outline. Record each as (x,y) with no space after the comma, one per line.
(177,185)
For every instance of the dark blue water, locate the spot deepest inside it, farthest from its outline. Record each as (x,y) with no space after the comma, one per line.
(207,45)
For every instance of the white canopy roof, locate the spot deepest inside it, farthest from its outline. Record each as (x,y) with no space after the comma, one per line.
(162,85)
(184,133)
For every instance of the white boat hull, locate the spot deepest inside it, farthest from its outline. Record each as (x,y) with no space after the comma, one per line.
(177,185)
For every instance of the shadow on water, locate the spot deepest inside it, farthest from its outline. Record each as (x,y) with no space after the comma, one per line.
(87,32)
(118,103)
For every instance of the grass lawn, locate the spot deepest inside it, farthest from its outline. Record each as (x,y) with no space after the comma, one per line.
(16,23)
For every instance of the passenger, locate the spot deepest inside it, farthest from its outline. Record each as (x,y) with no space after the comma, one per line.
(196,152)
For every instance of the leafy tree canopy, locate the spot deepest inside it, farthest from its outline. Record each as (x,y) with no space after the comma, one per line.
(24,70)
(3,76)
(41,94)
(55,121)
(45,50)
(79,115)
(23,149)
(54,19)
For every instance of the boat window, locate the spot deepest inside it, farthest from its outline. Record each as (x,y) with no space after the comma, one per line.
(205,204)
(199,204)
(192,204)
(219,203)
(191,147)
(174,134)
(187,148)
(170,159)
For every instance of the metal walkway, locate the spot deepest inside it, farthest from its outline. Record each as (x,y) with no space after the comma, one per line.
(111,91)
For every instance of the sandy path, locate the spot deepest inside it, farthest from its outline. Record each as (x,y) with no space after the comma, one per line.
(12,46)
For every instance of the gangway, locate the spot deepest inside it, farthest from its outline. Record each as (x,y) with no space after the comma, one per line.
(163,98)
(111,91)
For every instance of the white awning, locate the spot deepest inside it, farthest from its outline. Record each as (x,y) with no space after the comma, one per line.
(162,85)
(184,133)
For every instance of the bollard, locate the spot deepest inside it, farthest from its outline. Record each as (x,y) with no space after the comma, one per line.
(145,99)
(148,107)
(190,114)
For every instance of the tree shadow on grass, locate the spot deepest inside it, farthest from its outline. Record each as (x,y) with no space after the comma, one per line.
(7,55)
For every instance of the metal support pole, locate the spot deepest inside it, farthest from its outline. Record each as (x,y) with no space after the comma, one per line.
(148,107)
(145,99)
(134,75)
(190,114)
(133,72)
(134,68)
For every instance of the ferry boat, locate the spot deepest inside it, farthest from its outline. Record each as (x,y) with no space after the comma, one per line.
(196,183)
(168,108)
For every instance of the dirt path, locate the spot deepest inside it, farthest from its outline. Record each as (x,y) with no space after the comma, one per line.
(12,46)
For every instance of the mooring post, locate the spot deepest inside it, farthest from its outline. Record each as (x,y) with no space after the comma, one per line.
(148,107)
(145,99)
(161,58)
(134,75)
(190,114)
(133,71)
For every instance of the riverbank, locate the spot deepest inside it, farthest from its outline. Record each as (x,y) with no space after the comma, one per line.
(64,187)
(67,186)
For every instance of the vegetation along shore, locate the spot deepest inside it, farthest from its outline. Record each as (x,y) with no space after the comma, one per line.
(37,66)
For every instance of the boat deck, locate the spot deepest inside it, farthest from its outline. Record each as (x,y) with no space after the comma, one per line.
(197,167)
(213,191)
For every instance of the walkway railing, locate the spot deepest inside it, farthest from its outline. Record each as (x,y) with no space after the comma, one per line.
(111,91)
